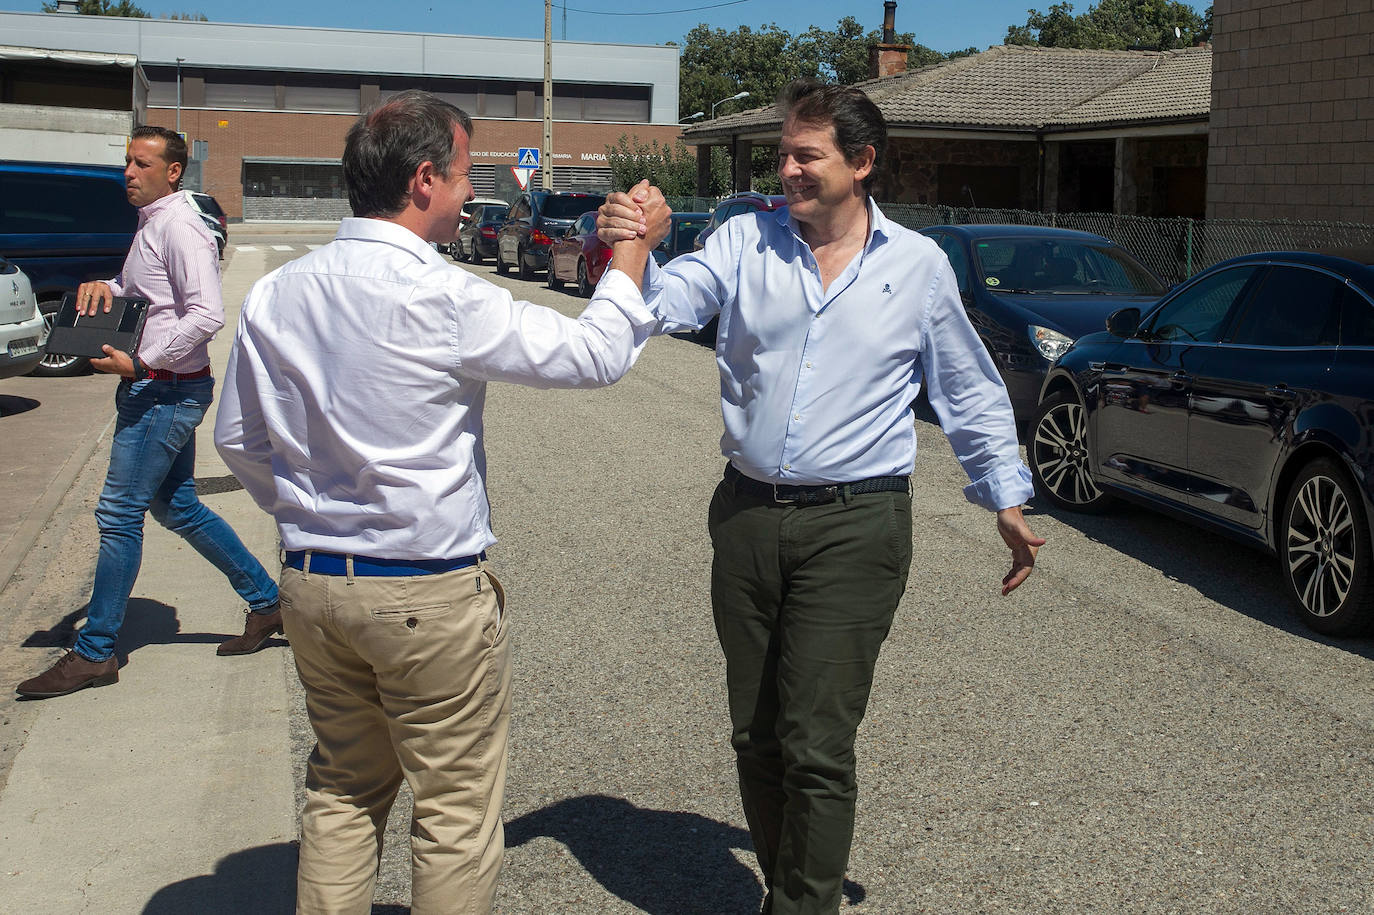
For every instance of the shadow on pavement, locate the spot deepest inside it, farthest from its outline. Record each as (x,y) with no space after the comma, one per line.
(10,405)
(146,622)
(663,862)
(260,880)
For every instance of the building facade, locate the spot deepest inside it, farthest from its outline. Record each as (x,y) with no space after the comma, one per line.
(1292,133)
(265,108)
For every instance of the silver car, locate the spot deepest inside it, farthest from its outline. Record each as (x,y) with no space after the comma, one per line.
(22,332)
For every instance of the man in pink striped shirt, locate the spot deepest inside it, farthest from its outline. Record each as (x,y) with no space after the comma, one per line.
(164,390)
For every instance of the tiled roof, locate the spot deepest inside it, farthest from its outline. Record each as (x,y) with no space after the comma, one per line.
(1028,88)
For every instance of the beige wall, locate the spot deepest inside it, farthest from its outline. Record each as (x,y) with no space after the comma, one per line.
(1292,129)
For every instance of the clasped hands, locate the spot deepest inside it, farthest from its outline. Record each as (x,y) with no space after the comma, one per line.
(642,213)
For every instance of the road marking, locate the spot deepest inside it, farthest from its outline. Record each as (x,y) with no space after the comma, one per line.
(313,247)
(282,248)
(245,247)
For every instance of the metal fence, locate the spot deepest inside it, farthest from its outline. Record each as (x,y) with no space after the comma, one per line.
(1174,249)
(692,204)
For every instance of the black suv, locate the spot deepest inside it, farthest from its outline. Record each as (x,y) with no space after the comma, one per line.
(735,204)
(534,220)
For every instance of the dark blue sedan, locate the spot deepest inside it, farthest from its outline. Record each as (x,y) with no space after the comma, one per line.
(1244,401)
(1030,291)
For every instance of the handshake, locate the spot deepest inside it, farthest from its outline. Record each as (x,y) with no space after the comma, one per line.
(639,216)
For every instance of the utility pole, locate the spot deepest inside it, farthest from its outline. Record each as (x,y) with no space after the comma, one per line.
(546,158)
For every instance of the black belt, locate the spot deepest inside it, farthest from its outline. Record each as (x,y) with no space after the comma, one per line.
(322,563)
(784,494)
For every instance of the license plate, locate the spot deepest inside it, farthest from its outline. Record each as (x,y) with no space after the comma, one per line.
(25,347)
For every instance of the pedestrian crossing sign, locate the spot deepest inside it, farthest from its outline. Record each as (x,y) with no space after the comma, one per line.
(527,157)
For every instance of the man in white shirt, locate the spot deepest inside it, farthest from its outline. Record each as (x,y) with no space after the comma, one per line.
(830,316)
(352,413)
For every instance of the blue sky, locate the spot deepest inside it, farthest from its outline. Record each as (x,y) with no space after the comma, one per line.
(939,24)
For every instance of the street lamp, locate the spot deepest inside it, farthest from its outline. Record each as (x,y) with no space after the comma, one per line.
(179,61)
(693,117)
(716,105)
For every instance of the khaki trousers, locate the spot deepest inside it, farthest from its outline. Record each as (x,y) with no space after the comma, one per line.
(404,678)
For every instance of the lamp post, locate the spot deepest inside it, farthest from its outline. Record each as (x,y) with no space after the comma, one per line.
(737,95)
(179,60)
(693,116)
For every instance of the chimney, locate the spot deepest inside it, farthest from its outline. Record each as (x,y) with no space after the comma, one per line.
(888,58)
(67,6)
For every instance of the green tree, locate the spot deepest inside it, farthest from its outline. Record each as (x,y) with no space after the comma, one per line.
(1114,24)
(673,168)
(103,8)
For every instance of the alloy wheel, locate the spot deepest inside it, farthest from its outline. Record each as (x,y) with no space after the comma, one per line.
(1059,455)
(1320,549)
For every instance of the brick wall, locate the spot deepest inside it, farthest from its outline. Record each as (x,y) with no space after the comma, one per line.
(1292,128)
(232,135)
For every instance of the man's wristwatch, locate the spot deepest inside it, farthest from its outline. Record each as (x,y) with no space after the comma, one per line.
(140,370)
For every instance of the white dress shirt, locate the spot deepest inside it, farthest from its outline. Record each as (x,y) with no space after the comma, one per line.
(352,402)
(816,384)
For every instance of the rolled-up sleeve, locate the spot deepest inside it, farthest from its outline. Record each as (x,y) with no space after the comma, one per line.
(971,401)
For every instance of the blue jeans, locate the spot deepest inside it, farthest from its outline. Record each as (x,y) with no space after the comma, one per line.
(152,466)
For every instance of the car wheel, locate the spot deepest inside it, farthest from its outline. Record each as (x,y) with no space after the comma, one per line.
(1325,551)
(475,256)
(501,267)
(1058,455)
(584,283)
(522,265)
(54,366)
(551,280)
(455,251)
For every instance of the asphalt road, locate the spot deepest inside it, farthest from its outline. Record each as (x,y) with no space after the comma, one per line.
(1141,728)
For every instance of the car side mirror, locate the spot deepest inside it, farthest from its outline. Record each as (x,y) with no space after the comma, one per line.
(1124,323)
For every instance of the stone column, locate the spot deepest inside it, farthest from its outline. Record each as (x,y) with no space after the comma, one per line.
(743,170)
(1124,190)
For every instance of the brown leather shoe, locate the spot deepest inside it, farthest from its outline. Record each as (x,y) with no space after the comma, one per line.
(71,673)
(257,629)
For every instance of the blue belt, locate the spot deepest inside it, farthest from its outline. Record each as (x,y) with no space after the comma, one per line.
(366,566)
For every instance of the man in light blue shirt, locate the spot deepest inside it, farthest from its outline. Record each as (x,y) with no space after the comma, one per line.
(830,316)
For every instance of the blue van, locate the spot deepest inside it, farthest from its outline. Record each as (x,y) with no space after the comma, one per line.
(63,225)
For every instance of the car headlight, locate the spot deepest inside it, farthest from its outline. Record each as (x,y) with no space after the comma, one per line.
(1050,343)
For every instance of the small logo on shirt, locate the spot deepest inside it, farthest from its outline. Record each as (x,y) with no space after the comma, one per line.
(887,288)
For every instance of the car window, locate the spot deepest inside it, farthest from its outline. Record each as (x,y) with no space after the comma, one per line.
(1357,319)
(570,207)
(522,209)
(687,232)
(958,260)
(1291,306)
(585,225)
(38,203)
(1041,265)
(492,212)
(1198,312)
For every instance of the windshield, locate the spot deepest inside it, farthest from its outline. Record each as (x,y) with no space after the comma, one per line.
(570,207)
(489,213)
(1057,267)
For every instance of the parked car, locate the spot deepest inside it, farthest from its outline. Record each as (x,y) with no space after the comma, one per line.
(212,214)
(734,205)
(578,256)
(63,225)
(1030,291)
(682,236)
(22,329)
(470,209)
(477,237)
(1243,401)
(534,220)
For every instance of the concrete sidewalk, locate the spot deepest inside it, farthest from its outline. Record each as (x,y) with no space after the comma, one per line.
(172,790)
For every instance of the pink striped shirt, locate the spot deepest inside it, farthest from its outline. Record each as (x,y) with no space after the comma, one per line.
(174,264)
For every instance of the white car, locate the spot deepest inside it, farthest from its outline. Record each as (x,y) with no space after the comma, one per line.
(22,332)
(212,214)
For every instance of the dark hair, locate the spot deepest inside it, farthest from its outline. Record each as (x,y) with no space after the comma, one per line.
(388,143)
(856,120)
(175,146)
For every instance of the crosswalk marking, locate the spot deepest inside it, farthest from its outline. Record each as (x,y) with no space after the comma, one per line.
(282,248)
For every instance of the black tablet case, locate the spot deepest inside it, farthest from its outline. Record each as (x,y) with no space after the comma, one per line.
(84,335)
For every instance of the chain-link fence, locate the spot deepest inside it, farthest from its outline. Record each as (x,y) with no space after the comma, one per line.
(691,204)
(1174,249)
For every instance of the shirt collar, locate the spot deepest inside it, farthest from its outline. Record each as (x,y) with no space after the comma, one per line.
(149,210)
(381,230)
(878,224)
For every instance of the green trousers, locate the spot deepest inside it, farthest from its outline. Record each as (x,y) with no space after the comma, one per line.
(803,598)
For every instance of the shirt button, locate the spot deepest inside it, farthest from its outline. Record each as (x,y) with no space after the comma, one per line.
(796,416)
(786,466)
(808,365)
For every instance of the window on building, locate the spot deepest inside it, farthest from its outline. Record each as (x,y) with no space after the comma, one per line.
(316,180)
(234,91)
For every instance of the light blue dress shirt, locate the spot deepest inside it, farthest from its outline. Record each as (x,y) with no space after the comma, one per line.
(816,384)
